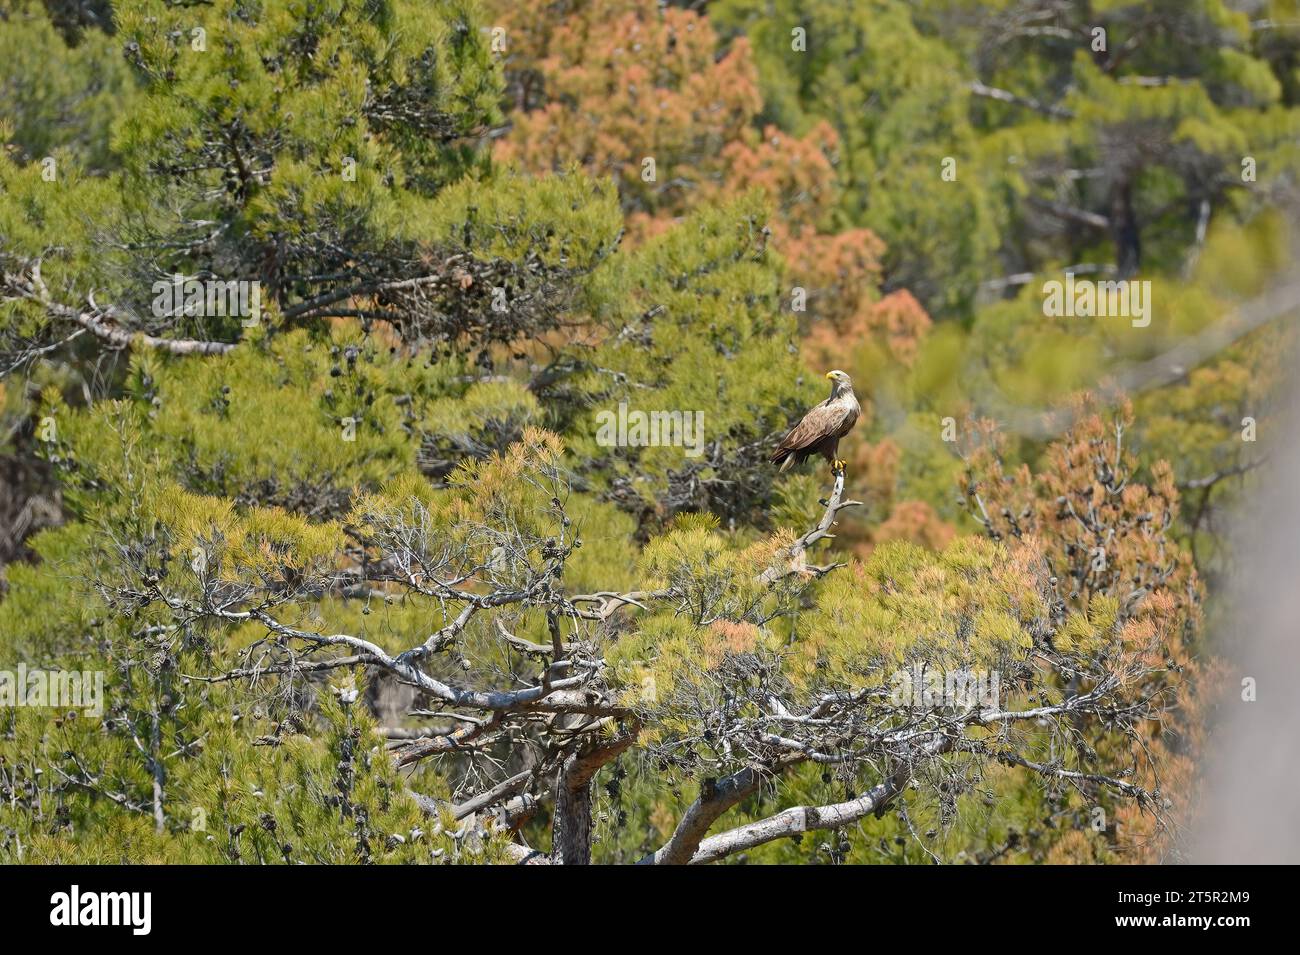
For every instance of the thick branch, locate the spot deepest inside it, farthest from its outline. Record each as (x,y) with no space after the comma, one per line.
(716,797)
(94,322)
(791,822)
(794,821)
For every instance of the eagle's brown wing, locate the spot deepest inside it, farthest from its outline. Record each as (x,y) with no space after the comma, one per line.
(823,421)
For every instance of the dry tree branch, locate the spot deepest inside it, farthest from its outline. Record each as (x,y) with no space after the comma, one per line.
(97,319)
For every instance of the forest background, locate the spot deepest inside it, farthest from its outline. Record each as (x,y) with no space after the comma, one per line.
(473,227)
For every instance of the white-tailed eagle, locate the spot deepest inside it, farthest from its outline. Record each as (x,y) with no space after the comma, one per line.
(822,427)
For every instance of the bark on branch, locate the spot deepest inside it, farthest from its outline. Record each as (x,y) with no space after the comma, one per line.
(800,819)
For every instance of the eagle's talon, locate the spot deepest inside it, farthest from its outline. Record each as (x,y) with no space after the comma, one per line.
(838,466)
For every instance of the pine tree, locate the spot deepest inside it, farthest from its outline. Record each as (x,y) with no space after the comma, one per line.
(314,323)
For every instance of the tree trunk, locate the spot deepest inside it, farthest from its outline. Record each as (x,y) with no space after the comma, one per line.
(571,827)
(1124,228)
(571,824)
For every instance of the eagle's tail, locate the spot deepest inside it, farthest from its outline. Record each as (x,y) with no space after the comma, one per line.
(784,457)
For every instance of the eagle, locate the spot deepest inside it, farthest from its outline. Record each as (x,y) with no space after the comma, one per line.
(822,427)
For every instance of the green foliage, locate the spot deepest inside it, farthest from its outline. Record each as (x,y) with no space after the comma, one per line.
(400,459)
(896,98)
(62,100)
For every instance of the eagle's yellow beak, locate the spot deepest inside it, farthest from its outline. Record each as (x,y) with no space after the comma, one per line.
(830,374)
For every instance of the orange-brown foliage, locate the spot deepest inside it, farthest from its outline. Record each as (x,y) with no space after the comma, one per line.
(1104,532)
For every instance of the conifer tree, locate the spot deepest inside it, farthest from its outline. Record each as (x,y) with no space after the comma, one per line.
(310,317)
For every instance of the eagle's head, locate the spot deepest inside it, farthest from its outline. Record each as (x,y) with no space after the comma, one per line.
(840,382)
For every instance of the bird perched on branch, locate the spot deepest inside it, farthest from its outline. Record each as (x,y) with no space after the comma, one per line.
(822,427)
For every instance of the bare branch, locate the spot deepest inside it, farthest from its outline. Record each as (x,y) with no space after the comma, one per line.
(799,819)
(1004,96)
